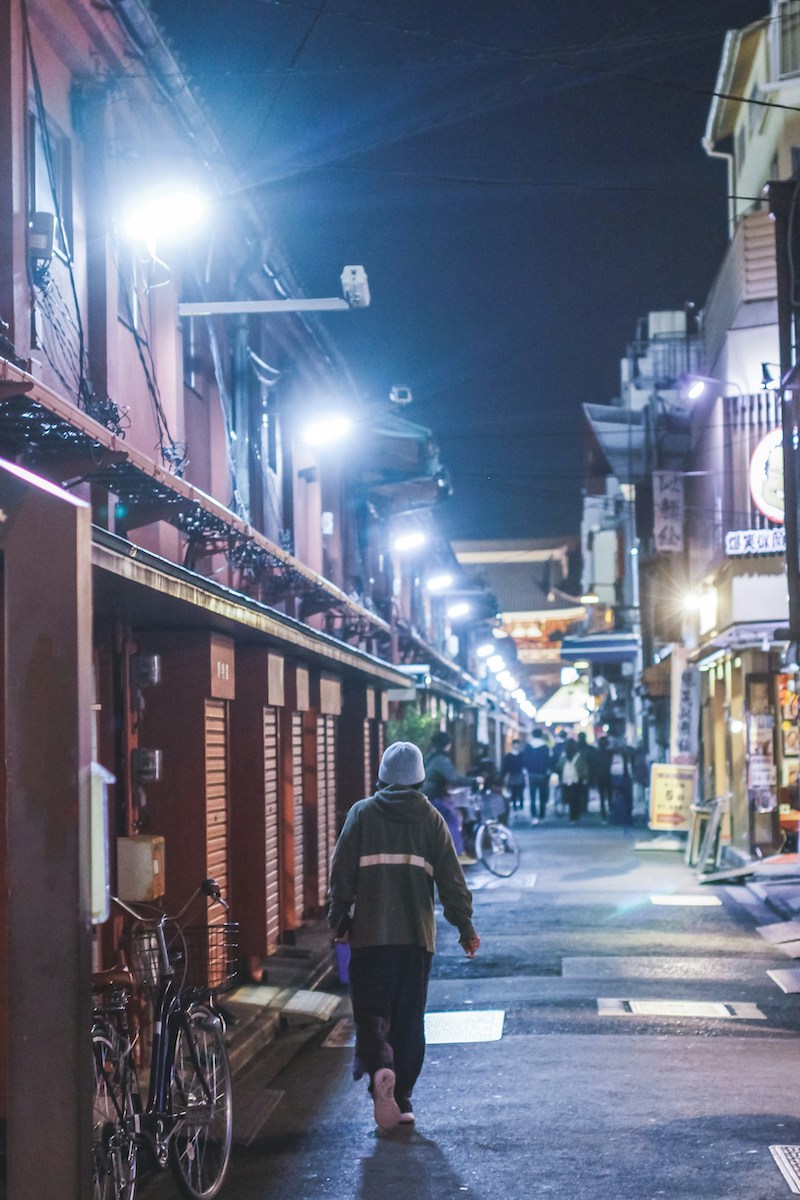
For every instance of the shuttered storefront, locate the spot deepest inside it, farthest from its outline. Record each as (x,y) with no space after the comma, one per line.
(369,786)
(326,802)
(216,744)
(271,829)
(297,812)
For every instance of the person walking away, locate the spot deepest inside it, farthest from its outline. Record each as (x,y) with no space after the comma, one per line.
(394,846)
(621,783)
(440,776)
(589,755)
(603,768)
(573,780)
(559,744)
(539,764)
(513,773)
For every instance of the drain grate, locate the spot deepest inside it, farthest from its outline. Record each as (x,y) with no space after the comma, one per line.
(678,1008)
(787,1159)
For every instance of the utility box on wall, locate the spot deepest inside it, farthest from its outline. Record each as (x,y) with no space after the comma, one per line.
(140,868)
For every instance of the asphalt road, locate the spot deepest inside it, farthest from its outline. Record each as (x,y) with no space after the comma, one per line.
(571,1102)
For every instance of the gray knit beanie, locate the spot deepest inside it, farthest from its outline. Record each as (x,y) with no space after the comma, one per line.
(402,765)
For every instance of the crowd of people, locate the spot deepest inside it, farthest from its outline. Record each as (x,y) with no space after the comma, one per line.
(564,772)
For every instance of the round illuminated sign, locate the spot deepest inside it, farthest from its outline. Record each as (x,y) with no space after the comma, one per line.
(766,477)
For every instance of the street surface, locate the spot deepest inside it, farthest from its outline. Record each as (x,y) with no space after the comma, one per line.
(569,1102)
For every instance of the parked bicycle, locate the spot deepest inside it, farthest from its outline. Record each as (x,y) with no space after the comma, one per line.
(485,836)
(187,1121)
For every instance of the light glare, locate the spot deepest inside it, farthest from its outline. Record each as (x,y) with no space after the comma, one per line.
(439,582)
(327,430)
(165,213)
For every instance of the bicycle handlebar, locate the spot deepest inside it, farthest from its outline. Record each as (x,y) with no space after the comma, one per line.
(209,887)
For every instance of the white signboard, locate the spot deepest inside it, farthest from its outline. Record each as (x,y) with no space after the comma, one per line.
(685,707)
(668,511)
(755,541)
(673,789)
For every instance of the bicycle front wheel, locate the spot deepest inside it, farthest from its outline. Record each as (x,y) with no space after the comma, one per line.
(497,849)
(202,1105)
(114,1106)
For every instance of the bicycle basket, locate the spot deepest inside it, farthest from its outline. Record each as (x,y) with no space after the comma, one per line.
(144,957)
(210,955)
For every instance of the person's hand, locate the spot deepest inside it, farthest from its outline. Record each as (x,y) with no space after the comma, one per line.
(342,939)
(471,944)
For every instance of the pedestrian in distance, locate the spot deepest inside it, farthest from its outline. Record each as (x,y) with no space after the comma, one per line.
(513,772)
(440,777)
(621,770)
(394,846)
(589,755)
(603,768)
(539,765)
(574,776)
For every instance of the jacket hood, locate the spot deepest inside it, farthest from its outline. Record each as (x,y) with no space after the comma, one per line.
(536,742)
(403,804)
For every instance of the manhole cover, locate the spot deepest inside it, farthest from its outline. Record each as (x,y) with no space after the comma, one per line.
(678,1008)
(788,1161)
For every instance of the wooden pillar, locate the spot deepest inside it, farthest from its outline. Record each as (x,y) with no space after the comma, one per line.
(46,542)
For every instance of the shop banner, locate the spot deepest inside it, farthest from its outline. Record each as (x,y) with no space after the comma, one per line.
(668,511)
(684,707)
(673,788)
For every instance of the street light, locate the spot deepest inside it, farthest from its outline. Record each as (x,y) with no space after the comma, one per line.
(462,609)
(327,430)
(164,212)
(439,583)
(409,541)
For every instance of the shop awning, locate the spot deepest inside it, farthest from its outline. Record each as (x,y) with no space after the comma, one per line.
(571,704)
(601,647)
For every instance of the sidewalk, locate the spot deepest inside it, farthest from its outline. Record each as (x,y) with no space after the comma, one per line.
(268,1023)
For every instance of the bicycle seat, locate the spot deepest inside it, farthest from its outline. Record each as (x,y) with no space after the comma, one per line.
(113,979)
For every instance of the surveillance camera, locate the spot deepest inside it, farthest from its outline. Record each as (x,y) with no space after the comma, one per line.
(400,395)
(355,287)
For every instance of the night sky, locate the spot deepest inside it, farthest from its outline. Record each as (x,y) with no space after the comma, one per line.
(521,179)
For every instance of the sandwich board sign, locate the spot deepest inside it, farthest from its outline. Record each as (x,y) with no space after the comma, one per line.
(673,788)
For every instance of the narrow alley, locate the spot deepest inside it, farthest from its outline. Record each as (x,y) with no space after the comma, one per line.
(581,1096)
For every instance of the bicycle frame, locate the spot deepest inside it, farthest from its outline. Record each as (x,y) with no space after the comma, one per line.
(157,1124)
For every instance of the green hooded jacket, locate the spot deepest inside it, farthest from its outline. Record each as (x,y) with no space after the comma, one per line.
(392,849)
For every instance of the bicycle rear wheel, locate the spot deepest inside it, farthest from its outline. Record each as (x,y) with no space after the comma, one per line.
(202,1103)
(115,1103)
(497,849)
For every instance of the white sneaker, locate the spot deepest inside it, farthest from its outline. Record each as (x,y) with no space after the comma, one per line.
(387,1113)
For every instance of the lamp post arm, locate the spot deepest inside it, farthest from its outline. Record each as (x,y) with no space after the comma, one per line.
(215,308)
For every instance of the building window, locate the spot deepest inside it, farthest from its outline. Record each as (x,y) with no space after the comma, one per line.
(789,61)
(50,179)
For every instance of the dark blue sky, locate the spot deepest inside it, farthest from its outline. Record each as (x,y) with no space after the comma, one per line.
(522,180)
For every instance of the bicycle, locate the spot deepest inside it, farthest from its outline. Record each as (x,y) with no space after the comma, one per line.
(491,842)
(188,1119)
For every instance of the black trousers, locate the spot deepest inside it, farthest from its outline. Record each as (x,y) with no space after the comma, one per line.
(388,988)
(540,790)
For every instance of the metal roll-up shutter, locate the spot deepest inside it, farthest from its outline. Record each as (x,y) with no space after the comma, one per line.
(216,742)
(322,813)
(272,845)
(330,772)
(368,785)
(297,808)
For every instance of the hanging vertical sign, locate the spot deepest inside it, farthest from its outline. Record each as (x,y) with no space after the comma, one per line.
(668,511)
(685,707)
